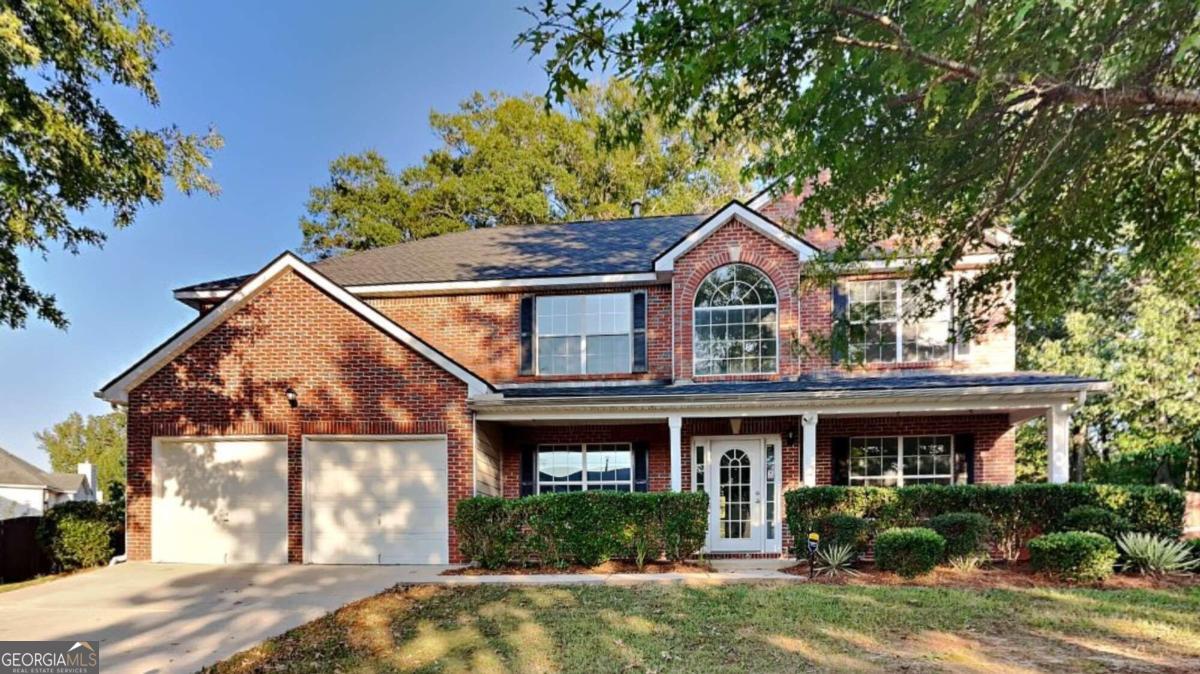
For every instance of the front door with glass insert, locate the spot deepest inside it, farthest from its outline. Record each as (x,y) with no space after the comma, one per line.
(735,470)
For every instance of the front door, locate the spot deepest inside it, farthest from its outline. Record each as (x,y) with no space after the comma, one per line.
(737,497)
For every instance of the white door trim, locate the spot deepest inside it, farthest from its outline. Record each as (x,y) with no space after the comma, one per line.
(760,542)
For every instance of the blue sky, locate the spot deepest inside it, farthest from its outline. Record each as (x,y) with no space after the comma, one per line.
(290,86)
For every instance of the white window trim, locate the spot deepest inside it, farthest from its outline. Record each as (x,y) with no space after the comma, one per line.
(537,339)
(864,481)
(952,353)
(583,450)
(696,340)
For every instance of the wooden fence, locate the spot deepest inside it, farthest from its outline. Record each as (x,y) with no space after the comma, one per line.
(21,558)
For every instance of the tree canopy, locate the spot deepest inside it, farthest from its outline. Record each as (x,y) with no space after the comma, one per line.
(1126,329)
(99,440)
(64,157)
(507,160)
(1070,127)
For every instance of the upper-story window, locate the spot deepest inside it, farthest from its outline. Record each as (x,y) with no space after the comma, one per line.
(584,334)
(885,334)
(736,323)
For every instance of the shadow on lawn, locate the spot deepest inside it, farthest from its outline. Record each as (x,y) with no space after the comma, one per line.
(747,628)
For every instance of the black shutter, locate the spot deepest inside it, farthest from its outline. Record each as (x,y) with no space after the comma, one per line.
(964,458)
(528,466)
(641,466)
(841,305)
(639,332)
(527,335)
(841,461)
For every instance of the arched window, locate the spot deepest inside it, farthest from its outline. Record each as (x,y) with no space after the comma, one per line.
(735,322)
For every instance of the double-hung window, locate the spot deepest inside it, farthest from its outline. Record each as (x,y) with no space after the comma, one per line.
(584,334)
(563,468)
(897,461)
(885,330)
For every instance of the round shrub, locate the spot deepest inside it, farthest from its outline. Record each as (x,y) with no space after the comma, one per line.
(76,534)
(839,529)
(1078,556)
(1096,520)
(966,534)
(909,552)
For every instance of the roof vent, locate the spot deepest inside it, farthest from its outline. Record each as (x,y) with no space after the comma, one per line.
(636,207)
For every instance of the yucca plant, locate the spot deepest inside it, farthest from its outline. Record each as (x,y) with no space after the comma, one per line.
(968,563)
(1154,555)
(836,559)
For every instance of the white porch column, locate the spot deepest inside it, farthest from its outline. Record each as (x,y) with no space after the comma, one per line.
(675,423)
(808,456)
(1058,443)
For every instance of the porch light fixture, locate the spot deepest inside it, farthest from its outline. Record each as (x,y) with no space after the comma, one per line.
(789,437)
(736,425)
(292,398)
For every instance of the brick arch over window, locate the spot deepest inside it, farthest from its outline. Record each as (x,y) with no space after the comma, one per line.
(798,316)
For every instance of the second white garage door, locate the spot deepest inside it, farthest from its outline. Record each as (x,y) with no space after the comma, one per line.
(371,500)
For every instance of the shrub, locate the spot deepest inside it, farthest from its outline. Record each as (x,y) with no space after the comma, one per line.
(587,528)
(967,563)
(1155,555)
(488,530)
(838,529)
(1194,545)
(1080,556)
(966,534)
(835,560)
(76,534)
(1094,519)
(1017,512)
(909,552)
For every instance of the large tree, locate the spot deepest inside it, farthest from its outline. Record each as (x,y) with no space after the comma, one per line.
(99,440)
(507,160)
(66,162)
(1124,328)
(1071,126)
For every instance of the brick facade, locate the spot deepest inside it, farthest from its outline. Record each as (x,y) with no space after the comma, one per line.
(350,378)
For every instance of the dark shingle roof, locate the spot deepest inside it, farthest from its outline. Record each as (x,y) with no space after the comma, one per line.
(814,383)
(567,249)
(17,471)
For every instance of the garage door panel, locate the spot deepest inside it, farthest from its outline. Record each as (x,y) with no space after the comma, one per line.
(219,500)
(344,548)
(326,516)
(374,500)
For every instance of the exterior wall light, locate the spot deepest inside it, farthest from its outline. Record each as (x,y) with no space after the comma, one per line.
(292,398)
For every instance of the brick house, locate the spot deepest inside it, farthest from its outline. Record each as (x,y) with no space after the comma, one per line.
(336,412)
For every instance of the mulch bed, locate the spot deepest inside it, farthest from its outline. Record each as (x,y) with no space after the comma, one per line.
(999,576)
(605,568)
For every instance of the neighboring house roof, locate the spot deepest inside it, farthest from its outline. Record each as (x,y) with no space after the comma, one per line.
(19,472)
(118,389)
(832,382)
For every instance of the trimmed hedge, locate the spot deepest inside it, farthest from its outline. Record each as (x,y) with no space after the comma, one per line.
(586,528)
(1080,556)
(1018,512)
(965,533)
(77,534)
(1094,519)
(910,552)
(839,529)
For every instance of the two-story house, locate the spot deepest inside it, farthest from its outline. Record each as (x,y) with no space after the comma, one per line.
(337,412)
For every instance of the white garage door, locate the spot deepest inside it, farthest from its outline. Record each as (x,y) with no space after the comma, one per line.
(219,501)
(375,500)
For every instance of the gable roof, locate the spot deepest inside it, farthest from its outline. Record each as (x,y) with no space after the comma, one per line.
(583,248)
(117,390)
(665,261)
(19,472)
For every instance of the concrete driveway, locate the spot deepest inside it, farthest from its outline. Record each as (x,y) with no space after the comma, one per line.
(180,617)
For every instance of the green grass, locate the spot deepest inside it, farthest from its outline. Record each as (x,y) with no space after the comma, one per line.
(767,628)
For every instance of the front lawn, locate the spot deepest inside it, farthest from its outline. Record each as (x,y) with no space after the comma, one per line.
(770,627)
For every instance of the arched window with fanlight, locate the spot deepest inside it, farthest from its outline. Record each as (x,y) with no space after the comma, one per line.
(735,323)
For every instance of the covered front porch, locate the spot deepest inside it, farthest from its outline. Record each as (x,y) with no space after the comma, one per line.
(746,444)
